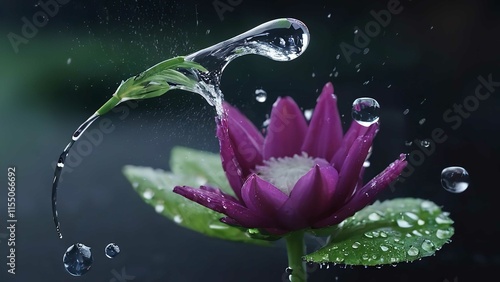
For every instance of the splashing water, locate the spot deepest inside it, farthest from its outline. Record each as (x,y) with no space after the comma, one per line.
(280,40)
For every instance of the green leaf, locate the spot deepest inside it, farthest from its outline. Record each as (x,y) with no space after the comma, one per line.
(204,166)
(393,231)
(155,188)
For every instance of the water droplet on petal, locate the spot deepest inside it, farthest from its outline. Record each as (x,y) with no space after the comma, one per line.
(308,114)
(78,259)
(455,179)
(412,251)
(260,95)
(112,250)
(365,111)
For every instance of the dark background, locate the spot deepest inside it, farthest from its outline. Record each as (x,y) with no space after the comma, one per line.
(430,54)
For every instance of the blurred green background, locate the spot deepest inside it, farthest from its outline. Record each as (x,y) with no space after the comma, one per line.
(425,60)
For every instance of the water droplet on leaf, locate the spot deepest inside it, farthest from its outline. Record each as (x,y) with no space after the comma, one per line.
(412,251)
(428,246)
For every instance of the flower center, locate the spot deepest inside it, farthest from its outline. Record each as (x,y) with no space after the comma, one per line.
(285,172)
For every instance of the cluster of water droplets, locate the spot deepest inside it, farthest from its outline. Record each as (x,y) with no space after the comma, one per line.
(78,257)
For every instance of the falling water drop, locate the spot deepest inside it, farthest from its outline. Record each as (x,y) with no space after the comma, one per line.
(366,50)
(112,250)
(77,259)
(425,143)
(365,111)
(280,40)
(260,95)
(422,121)
(455,179)
(405,112)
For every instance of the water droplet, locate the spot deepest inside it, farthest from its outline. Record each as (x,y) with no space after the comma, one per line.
(455,179)
(417,233)
(412,251)
(369,235)
(384,248)
(365,257)
(313,75)
(408,143)
(425,143)
(403,223)
(112,250)
(336,74)
(68,61)
(366,50)
(337,57)
(374,216)
(376,234)
(443,219)
(422,121)
(356,31)
(148,194)
(420,222)
(389,86)
(78,259)
(177,219)
(207,32)
(159,208)
(366,164)
(411,215)
(405,112)
(442,234)
(260,95)
(356,245)
(383,234)
(366,82)
(329,15)
(432,27)
(428,246)
(308,114)
(365,111)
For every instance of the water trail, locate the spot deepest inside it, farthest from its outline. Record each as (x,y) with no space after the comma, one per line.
(280,40)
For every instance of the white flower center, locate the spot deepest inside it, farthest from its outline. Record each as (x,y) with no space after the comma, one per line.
(285,172)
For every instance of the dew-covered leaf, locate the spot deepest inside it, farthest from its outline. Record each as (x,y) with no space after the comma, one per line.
(155,188)
(390,232)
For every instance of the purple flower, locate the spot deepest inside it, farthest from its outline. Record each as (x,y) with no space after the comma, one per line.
(298,176)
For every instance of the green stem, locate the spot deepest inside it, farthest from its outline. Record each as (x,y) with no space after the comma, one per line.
(109,105)
(296,250)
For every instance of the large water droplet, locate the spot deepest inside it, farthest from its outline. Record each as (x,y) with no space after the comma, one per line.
(412,251)
(365,111)
(428,246)
(260,95)
(112,250)
(78,259)
(442,234)
(455,179)
(374,216)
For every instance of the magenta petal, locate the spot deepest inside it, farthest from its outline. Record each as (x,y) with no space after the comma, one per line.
(310,197)
(218,203)
(355,130)
(219,192)
(229,162)
(366,195)
(262,197)
(324,135)
(245,138)
(351,169)
(286,131)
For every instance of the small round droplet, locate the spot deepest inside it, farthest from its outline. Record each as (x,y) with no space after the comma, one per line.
(112,250)
(455,179)
(78,259)
(148,194)
(260,95)
(412,251)
(366,50)
(425,143)
(422,121)
(405,112)
(337,57)
(308,114)
(365,111)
